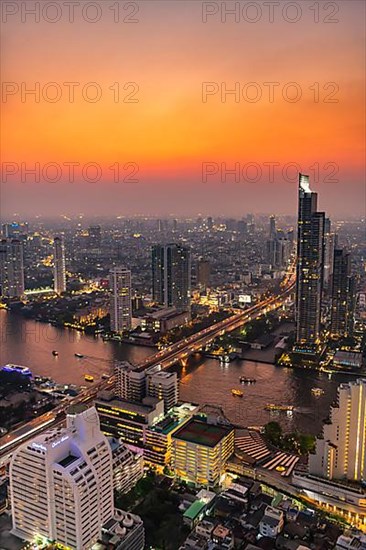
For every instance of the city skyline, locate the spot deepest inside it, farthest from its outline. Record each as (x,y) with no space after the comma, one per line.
(183,275)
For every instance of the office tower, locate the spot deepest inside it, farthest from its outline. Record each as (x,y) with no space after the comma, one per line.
(309,281)
(272,227)
(283,252)
(162,385)
(203,273)
(11,268)
(279,252)
(61,483)
(120,299)
(95,237)
(130,382)
(175,225)
(343,295)
(171,274)
(128,420)
(329,246)
(59,265)
(290,235)
(341,452)
(209,223)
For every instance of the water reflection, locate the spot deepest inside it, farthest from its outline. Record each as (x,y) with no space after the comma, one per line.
(29,343)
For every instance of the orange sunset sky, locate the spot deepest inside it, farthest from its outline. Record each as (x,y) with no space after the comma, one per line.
(170,131)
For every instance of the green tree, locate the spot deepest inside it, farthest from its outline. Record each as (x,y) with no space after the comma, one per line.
(273,433)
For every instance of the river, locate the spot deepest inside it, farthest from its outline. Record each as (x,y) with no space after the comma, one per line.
(29,343)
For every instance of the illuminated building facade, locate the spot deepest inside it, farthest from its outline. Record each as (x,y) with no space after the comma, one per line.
(130,382)
(120,305)
(61,483)
(171,275)
(163,385)
(310,259)
(200,452)
(59,265)
(343,295)
(341,452)
(127,420)
(330,240)
(11,268)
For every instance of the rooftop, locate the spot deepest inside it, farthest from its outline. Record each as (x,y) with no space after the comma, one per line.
(202,433)
(194,510)
(65,462)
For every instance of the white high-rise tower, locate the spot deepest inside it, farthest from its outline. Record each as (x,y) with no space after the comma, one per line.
(341,452)
(61,483)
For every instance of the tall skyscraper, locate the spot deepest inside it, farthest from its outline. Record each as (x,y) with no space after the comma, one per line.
(203,273)
(11,268)
(62,483)
(59,265)
(171,274)
(329,246)
(272,227)
(343,295)
(341,452)
(310,259)
(120,299)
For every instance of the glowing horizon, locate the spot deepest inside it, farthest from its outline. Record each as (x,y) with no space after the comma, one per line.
(174,118)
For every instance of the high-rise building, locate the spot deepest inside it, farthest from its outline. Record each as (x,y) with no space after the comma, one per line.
(163,385)
(343,295)
(59,265)
(61,483)
(279,252)
(95,236)
(203,273)
(272,227)
(134,383)
(130,382)
(310,260)
(120,299)
(329,246)
(341,452)
(242,228)
(11,268)
(171,274)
